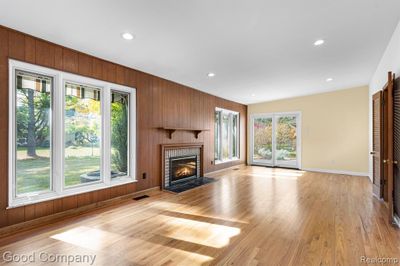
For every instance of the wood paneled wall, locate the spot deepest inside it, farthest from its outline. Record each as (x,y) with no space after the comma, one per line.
(159,103)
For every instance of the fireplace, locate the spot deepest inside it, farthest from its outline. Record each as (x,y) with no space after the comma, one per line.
(183,168)
(181,163)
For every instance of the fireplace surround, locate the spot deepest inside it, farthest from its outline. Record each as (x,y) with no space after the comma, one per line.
(181,163)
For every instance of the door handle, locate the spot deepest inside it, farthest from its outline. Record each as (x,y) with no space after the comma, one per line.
(388,161)
(372,152)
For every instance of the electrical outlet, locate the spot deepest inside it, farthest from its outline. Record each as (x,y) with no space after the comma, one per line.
(144,176)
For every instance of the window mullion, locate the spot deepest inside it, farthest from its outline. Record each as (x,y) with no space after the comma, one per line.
(58,135)
(132,135)
(220,137)
(106,134)
(230,136)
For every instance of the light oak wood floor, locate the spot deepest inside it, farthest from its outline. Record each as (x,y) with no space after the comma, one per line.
(250,216)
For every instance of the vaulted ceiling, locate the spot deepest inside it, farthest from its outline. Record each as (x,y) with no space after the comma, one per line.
(259,50)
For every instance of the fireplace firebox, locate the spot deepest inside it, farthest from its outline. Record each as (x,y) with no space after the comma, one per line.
(183,168)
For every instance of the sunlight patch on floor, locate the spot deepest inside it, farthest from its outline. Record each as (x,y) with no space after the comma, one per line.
(86,237)
(203,233)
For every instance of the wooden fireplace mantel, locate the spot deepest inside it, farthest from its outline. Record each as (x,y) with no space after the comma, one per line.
(171,130)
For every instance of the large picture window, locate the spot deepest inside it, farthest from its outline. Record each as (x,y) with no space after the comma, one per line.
(226,143)
(68,134)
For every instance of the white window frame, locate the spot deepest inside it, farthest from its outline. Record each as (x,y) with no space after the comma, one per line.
(230,136)
(273,162)
(58,189)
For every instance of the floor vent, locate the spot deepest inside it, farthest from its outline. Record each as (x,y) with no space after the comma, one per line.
(141,197)
(235,169)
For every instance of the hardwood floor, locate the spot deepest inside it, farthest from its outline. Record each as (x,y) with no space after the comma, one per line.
(251,216)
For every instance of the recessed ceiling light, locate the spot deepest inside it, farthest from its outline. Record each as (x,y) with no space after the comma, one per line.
(253,94)
(319,42)
(329,79)
(127,36)
(210,75)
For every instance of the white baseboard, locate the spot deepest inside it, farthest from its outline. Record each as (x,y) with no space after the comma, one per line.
(339,172)
(225,169)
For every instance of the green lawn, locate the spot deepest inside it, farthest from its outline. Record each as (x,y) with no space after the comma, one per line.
(33,174)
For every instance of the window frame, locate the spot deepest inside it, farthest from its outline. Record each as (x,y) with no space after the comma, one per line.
(219,127)
(57,180)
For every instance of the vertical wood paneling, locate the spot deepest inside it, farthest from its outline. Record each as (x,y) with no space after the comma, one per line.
(58,57)
(131,77)
(69,203)
(43,209)
(85,65)
(97,69)
(103,195)
(45,54)
(16,215)
(84,199)
(143,134)
(30,49)
(121,75)
(30,212)
(16,45)
(131,188)
(4,125)
(159,103)
(70,60)
(57,205)
(109,71)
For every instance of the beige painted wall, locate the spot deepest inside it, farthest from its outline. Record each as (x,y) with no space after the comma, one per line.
(334,128)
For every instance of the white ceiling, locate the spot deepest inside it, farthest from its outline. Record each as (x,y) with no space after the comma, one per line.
(261,47)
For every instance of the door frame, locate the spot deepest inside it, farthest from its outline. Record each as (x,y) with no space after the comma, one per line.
(298,114)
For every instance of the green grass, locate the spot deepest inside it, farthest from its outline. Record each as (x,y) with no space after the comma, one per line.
(76,166)
(33,174)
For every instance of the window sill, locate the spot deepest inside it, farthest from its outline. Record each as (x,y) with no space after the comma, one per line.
(216,162)
(46,196)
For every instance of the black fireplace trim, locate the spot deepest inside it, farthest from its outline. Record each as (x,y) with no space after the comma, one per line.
(186,179)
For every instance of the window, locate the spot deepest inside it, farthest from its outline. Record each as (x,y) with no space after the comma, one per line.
(226,140)
(119,134)
(82,134)
(68,134)
(33,132)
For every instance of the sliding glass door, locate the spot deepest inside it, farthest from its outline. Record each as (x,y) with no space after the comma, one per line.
(275,139)
(262,140)
(286,140)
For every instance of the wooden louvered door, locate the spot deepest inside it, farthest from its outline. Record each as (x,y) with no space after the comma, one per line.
(377,144)
(396,149)
(389,161)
